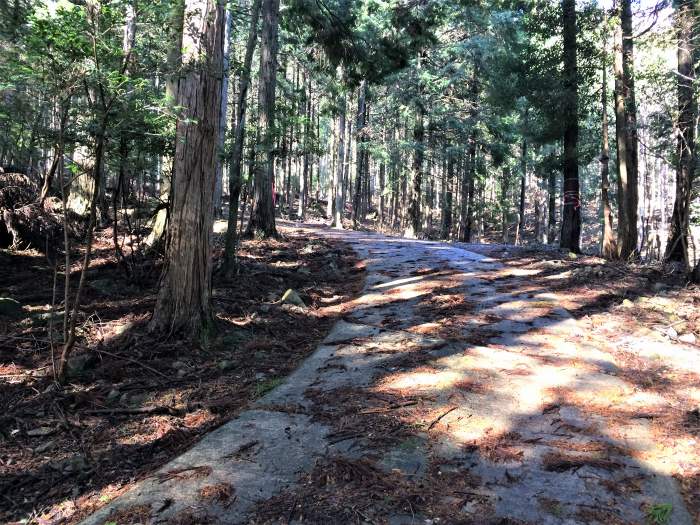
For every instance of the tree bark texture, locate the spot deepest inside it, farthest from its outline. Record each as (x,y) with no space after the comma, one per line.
(238,127)
(262,217)
(571,213)
(677,245)
(609,245)
(626,134)
(183,303)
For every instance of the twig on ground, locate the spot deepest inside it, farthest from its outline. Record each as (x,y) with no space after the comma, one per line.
(159,409)
(136,362)
(185,473)
(243,448)
(340,439)
(393,406)
(437,419)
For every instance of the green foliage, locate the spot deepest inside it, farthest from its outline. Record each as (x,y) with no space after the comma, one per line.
(484,73)
(659,513)
(264,387)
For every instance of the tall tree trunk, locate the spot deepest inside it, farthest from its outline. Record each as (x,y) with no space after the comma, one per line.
(287,147)
(128,60)
(359,155)
(57,163)
(446,226)
(236,161)
(183,303)
(315,158)
(466,220)
(304,181)
(677,245)
(537,198)
(609,248)
(394,177)
(228,44)
(332,160)
(505,205)
(340,167)
(418,137)
(262,217)
(551,207)
(470,188)
(571,213)
(466,195)
(521,205)
(119,189)
(382,181)
(626,134)
(129,35)
(348,161)
(382,201)
(366,197)
(172,81)
(463,194)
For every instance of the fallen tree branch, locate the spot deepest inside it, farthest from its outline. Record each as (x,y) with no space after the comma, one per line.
(393,406)
(437,419)
(160,409)
(135,361)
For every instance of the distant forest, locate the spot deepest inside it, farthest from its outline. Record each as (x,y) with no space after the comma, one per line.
(516,122)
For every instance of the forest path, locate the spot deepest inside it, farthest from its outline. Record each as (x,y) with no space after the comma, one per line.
(450,390)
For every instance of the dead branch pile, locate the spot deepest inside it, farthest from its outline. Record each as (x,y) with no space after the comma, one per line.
(25,222)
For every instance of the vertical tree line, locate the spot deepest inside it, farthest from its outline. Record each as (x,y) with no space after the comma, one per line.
(437,119)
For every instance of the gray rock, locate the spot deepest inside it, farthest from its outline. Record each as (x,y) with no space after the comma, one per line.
(113,395)
(225,365)
(10,307)
(688,338)
(137,399)
(292,297)
(79,364)
(45,447)
(41,431)
(74,465)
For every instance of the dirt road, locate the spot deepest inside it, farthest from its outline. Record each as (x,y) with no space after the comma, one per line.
(456,390)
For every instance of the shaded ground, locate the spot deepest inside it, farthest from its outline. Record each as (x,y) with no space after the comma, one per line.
(461,389)
(133,402)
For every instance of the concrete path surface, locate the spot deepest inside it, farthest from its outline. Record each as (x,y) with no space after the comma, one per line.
(443,369)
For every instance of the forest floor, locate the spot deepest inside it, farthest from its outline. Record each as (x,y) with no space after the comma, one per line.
(505,386)
(133,402)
